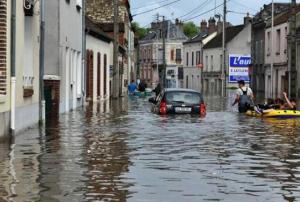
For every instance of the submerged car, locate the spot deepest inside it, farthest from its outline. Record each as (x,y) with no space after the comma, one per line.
(178,101)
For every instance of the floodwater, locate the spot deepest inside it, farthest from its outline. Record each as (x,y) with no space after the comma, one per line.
(120,151)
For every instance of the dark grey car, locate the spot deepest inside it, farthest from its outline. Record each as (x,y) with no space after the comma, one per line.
(178,101)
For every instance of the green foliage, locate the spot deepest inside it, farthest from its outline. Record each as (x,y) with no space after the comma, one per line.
(190,29)
(140,31)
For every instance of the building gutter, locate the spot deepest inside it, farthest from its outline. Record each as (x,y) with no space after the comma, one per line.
(13,68)
(42,111)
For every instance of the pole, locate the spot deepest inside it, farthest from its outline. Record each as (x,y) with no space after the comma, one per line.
(116,77)
(42,62)
(272,52)
(13,68)
(292,62)
(224,51)
(164,53)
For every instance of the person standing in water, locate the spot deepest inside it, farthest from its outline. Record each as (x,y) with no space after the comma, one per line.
(244,97)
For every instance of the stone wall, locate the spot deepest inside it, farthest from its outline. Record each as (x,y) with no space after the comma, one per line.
(101,11)
(3,50)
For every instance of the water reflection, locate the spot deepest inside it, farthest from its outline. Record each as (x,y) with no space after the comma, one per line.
(120,151)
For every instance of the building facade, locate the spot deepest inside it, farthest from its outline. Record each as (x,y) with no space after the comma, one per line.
(238,41)
(5,68)
(101,13)
(193,58)
(63,79)
(99,55)
(277,54)
(259,23)
(151,54)
(19,93)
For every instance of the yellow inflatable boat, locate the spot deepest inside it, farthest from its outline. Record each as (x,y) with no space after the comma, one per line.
(276,114)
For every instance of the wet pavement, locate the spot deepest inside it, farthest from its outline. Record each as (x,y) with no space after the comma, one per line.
(120,151)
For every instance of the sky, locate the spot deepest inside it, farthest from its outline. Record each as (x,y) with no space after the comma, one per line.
(183,9)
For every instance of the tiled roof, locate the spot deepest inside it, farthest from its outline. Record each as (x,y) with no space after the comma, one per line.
(197,38)
(231,32)
(173,32)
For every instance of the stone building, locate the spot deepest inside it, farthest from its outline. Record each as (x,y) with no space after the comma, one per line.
(151,54)
(101,13)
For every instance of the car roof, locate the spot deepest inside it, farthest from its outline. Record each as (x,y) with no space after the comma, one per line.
(180,89)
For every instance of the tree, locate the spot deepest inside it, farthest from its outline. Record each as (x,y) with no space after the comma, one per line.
(190,29)
(140,31)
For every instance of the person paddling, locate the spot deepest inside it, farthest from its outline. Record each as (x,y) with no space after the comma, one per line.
(244,97)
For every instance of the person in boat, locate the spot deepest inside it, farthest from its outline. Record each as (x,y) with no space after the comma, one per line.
(142,86)
(244,97)
(132,87)
(291,104)
(280,104)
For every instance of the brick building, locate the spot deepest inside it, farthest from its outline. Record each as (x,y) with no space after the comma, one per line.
(101,13)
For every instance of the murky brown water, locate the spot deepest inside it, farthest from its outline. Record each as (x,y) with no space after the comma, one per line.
(122,152)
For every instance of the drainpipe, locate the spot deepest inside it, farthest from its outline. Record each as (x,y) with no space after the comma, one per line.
(42,62)
(83,53)
(13,68)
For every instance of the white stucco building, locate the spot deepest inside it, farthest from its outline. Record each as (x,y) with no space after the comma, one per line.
(193,60)
(238,41)
(63,79)
(99,59)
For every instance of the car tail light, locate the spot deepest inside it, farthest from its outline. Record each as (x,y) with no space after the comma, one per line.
(202,109)
(163,107)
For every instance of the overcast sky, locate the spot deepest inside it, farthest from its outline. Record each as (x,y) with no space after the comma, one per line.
(183,7)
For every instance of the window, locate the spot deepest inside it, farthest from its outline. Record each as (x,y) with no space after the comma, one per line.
(212,62)
(198,57)
(221,62)
(187,82)
(206,63)
(193,59)
(187,59)
(269,43)
(178,54)
(278,41)
(172,55)
(28,54)
(285,41)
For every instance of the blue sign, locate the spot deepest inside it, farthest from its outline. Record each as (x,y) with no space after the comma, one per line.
(239,68)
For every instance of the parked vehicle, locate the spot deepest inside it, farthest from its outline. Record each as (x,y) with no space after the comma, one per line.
(178,101)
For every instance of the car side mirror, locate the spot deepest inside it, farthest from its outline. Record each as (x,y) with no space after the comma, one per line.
(152,100)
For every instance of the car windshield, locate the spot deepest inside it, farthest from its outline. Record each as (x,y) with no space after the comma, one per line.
(183,97)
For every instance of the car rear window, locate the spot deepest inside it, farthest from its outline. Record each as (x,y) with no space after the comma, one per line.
(183,97)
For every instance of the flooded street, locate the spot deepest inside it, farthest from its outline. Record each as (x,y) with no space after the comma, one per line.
(120,151)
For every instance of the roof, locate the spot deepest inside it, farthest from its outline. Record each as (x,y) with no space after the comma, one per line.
(231,32)
(92,29)
(283,17)
(173,32)
(197,38)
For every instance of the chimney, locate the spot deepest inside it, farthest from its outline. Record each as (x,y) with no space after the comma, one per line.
(203,26)
(247,19)
(179,24)
(212,25)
